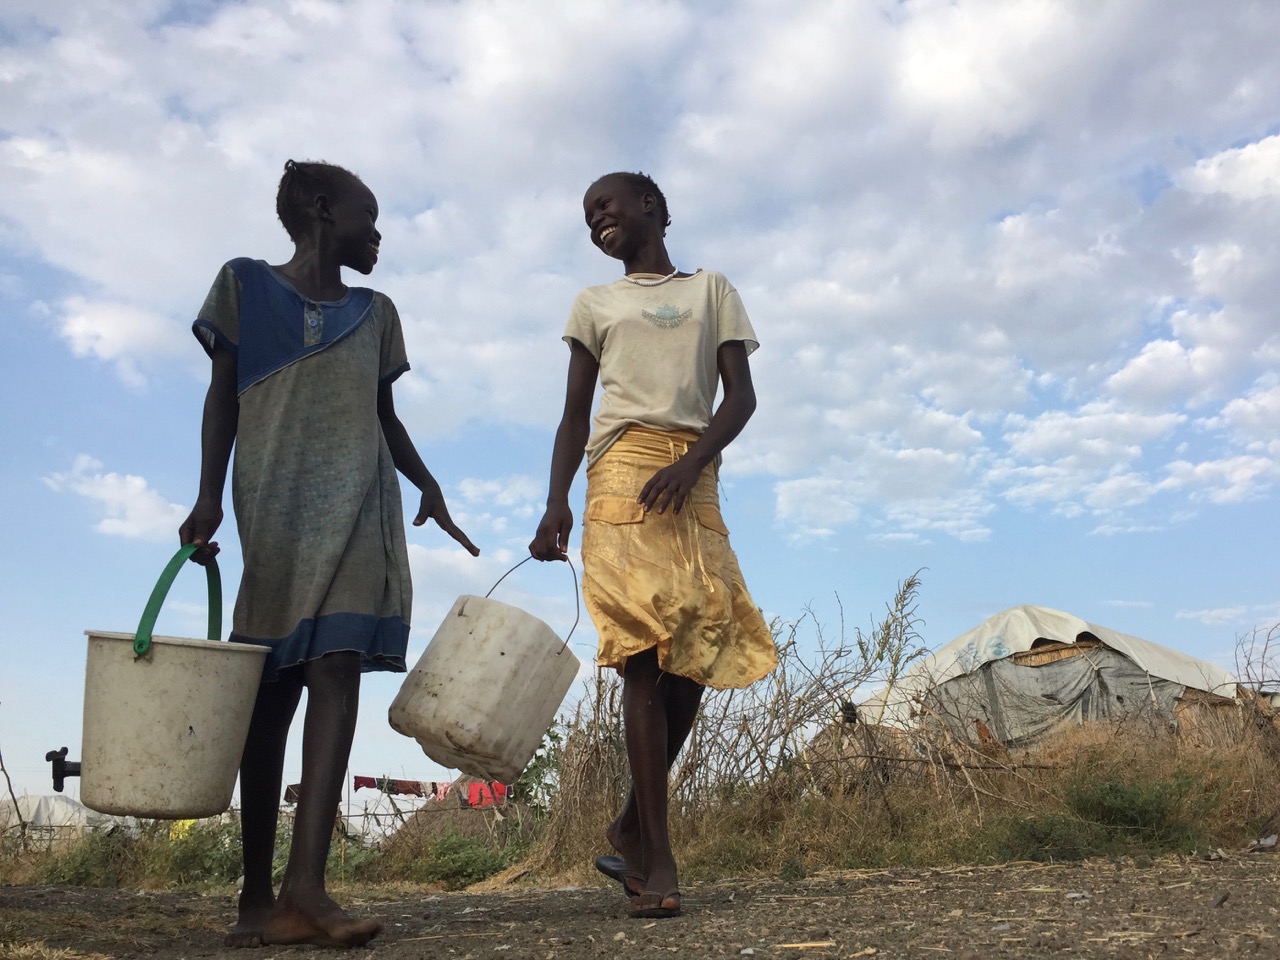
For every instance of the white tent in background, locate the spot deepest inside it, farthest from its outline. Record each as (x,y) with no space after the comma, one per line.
(1029,670)
(57,815)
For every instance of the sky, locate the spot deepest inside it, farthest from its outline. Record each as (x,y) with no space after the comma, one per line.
(1012,267)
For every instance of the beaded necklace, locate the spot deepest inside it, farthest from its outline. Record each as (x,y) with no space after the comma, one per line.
(651,283)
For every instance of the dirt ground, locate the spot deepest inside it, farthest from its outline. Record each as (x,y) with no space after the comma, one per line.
(1227,907)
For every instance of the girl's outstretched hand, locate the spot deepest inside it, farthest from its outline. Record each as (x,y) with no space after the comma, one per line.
(433,507)
(552,539)
(670,486)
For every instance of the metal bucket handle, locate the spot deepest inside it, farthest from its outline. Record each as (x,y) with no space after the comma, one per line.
(142,639)
(577,606)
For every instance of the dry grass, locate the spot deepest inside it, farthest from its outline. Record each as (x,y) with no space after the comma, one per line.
(37,950)
(590,779)
(755,793)
(475,842)
(23,866)
(132,928)
(742,765)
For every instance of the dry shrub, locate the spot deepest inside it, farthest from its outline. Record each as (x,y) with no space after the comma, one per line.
(1243,747)
(19,866)
(756,792)
(448,817)
(742,763)
(474,839)
(591,781)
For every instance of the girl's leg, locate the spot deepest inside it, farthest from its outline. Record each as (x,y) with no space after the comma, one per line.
(304,912)
(261,770)
(681,697)
(648,719)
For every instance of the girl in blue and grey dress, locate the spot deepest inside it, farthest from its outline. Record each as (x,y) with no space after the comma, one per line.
(301,386)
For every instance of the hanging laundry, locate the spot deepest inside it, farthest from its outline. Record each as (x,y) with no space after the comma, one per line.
(388,785)
(485,794)
(407,788)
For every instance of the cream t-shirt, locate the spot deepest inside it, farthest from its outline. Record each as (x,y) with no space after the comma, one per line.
(656,347)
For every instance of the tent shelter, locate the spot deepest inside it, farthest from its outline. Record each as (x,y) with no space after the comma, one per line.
(56,817)
(1030,670)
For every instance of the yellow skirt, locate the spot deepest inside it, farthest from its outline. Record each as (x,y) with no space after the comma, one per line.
(669,581)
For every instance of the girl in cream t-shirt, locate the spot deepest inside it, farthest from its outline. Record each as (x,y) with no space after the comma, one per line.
(660,580)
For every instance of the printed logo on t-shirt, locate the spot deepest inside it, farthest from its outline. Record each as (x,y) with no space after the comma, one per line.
(666,316)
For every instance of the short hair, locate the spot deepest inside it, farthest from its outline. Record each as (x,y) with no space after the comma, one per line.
(643,183)
(302,182)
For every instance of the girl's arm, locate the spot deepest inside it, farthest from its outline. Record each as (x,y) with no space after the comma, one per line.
(672,485)
(552,539)
(217,436)
(405,456)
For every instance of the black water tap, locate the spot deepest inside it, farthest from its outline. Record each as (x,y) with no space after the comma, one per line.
(62,767)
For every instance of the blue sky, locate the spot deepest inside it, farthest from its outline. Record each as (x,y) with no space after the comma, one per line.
(1011,265)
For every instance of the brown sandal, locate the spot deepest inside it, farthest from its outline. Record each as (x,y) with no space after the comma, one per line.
(649,905)
(615,868)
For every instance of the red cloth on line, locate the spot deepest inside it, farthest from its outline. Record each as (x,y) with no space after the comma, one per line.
(485,794)
(478,794)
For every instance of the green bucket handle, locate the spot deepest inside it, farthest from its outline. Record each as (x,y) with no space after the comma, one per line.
(142,639)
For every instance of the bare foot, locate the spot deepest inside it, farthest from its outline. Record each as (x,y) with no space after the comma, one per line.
(317,920)
(249,923)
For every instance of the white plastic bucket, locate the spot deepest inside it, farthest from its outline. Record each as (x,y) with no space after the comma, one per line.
(165,718)
(486,689)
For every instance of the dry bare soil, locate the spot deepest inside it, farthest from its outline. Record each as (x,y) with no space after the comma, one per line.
(1227,907)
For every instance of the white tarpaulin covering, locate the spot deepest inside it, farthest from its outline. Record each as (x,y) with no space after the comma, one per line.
(976,677)
(57,813)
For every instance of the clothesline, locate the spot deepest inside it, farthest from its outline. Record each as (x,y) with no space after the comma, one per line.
(478,794)
(405,788)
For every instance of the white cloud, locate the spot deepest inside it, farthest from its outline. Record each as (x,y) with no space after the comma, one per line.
(1254,418)
(505,508)
(125,336)
(1011,263)
(1119,491)
(960,515)
(812,507)
(1217,616)
(1010,252)
(1229,480)
(924,498)
(1094,438)
(131,507)
(1251,172)
(1213,265)
(520,493)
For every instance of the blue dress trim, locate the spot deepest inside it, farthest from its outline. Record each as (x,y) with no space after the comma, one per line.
(381,643)
(266,347)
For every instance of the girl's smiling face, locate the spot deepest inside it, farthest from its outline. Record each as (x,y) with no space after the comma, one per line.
(619,216)
(356,238)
